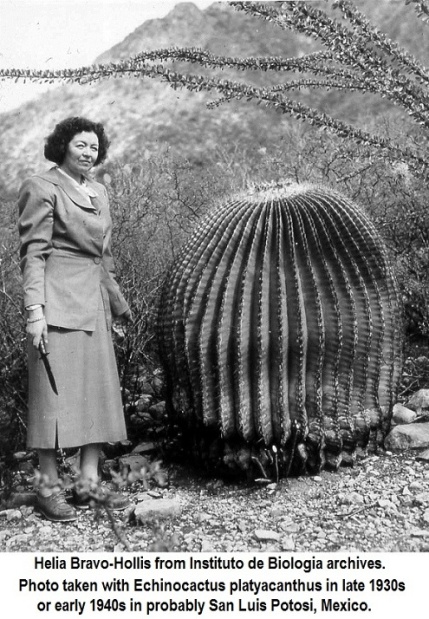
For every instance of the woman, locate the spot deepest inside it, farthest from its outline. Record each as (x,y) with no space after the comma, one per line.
(70,295)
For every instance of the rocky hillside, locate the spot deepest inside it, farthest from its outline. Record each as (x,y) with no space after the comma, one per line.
(143,116)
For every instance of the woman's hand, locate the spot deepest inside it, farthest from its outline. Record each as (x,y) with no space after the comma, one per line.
(126,317)
(37,327)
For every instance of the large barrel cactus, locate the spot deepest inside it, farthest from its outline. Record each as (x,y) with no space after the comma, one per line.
(280,333)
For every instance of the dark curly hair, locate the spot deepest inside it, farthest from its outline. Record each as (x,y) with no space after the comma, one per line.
(58,141)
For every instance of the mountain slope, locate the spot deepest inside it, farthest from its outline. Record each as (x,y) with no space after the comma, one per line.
(143,115)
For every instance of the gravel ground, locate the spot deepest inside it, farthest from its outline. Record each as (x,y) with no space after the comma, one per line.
(381,504)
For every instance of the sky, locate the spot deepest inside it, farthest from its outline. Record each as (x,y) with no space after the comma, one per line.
(53,34)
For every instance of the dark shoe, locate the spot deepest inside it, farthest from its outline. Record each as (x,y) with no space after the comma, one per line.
(112,500)
(80,501)
(55,507)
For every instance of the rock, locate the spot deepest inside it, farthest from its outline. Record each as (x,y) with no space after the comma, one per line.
(410,471)
(422,498)
(410,436)
(423,456)
(416,485)
(126,394)
(143,403)
(145,418)
(277,511)
(386,504)
(21,538)
(333,537)
(419,401)
(351,498)
(157,509)
(290,527)
(157,411)
(157,384)
(263,535)
(134,461)
(13,514)
(402,414)
(26,510)
(147,388)
(426,516)
(30,529)
(143,447)
(204,517)
(20,455)
(287,544)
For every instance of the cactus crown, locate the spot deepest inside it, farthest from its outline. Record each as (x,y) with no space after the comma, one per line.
(274,190)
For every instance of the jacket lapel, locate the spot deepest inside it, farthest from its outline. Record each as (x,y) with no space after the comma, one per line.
(69,187)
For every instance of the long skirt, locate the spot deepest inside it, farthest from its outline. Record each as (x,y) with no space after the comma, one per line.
(88,407)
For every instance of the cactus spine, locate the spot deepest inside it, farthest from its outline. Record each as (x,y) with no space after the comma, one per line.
(280,330)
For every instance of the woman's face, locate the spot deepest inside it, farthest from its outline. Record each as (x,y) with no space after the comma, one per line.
(81,155)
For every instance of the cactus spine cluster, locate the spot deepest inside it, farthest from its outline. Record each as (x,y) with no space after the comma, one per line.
(280,331)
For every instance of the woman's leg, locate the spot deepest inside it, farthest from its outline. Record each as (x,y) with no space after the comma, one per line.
(50,499)
(89,458)
(48,470)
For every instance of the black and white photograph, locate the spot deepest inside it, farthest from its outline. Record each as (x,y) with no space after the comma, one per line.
(214,293)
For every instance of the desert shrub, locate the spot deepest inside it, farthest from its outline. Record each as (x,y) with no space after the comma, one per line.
(393,197)
(13,375)
(155,204)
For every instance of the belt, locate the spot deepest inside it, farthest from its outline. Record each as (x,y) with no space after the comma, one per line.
(66,253)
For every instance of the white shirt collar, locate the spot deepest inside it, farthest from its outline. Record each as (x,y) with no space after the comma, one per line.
(83,186)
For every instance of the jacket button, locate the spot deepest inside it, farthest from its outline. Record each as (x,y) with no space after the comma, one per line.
(97,260)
